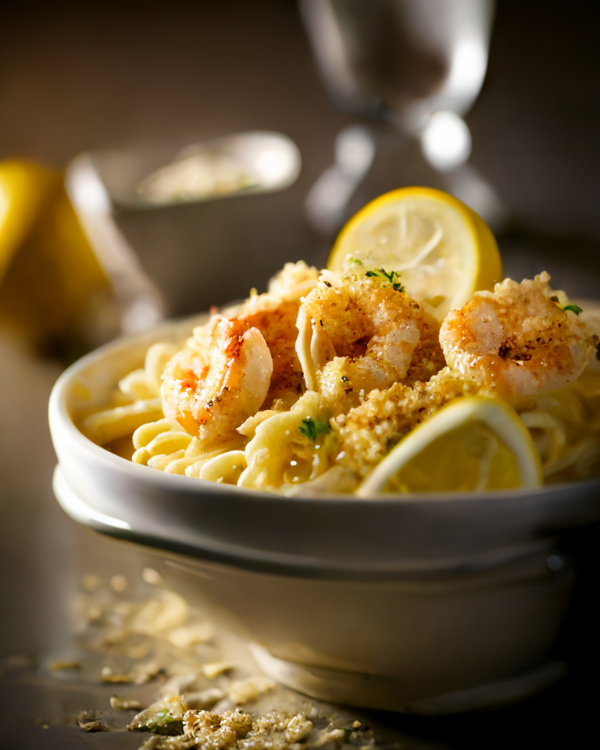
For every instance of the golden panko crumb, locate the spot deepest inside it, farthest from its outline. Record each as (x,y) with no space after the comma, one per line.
(277,730)
(361,333)
(428,357)
(211,731)
(246,690)
(368,432)
(298,728)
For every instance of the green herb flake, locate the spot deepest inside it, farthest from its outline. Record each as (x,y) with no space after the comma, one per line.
(310,428)
(573,308)
(347,735)
(164,721)
(393,278)
(163,717)
(355,260)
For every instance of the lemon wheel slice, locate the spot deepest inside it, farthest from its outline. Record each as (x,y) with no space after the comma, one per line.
(443,250)
(472,444)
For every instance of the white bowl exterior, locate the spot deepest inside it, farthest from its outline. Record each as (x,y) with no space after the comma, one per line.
(428,637)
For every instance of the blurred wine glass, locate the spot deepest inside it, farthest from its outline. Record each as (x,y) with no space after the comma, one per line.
(417,64)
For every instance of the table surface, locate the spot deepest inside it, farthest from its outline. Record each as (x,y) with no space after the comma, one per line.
(103,75)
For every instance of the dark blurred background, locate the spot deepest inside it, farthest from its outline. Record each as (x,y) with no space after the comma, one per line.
(98,75)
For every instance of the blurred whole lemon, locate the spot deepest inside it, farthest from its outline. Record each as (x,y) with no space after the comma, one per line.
(53,290)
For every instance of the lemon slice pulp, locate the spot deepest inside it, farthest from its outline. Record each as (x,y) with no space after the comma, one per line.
(472,444)
(443,250)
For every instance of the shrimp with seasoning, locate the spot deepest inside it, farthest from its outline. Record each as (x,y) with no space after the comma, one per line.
(517,340)
(361,332)
(274,314)
(219,380)
(275,318)
(233,366)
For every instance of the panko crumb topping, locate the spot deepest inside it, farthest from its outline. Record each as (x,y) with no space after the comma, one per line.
(368,432)
(159,647)
(243,691)
(276,730)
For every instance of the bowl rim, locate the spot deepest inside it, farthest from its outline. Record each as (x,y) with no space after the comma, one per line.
(444,571)
(59,415)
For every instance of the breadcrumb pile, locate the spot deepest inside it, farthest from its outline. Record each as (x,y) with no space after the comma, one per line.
(368,432)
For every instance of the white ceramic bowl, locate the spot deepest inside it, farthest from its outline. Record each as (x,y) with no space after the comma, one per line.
(431,602)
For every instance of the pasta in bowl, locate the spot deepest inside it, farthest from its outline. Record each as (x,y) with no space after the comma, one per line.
(321,383)
(375,533)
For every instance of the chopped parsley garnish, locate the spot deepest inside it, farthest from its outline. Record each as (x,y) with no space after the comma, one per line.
(355,260)
(393,278)
(163,722)
(347,734)
(310,428)
(573,308)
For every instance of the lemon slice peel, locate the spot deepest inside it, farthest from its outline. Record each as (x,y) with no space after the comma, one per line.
(443,249)
(25,189)
(497,416)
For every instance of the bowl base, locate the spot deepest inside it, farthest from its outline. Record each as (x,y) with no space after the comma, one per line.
(389,694)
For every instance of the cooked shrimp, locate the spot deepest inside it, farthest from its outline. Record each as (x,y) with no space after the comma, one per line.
(275,318)
(362,332)
(233,366)
(517,340)
(219,380)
